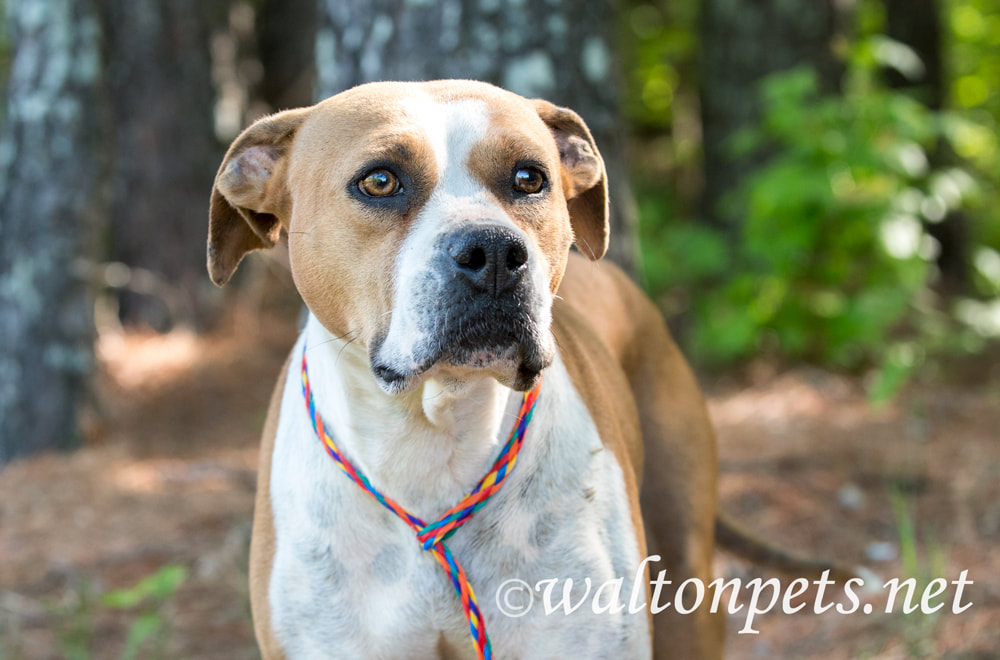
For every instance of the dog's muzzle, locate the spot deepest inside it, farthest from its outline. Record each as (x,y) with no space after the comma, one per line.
(482,304)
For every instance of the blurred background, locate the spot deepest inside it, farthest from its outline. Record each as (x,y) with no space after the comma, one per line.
(810,190)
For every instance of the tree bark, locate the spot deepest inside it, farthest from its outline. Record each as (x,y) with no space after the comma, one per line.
(52,180)
(917,23)
(286,38)
(165,150)
(741,43)
(558,50)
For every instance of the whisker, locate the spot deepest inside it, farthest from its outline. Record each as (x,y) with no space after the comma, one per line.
(332,339)
(342,348)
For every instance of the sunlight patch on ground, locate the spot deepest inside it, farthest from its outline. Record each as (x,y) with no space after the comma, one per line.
(157,476)
(793,396)
(135,359)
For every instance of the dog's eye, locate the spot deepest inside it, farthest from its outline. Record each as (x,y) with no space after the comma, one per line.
(379,183)
(528,180)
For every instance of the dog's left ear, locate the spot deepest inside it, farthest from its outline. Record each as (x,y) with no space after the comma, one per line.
(250,198)
(584,178)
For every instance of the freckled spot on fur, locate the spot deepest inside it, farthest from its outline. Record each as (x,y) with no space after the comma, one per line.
(543,530)
(484,535)
(329,577)
(387,520)
(510,561)
(389,564)
(324,509)
(338,625)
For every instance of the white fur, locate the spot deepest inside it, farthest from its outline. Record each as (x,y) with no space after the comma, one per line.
(329,593)
(452,130)
(350,579)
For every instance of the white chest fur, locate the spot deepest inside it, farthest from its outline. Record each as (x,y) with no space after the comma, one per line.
(350,580)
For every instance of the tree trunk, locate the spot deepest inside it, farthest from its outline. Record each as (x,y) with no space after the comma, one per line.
(563,52)
(286,39)
(917,23)
(51,205)
(165,152)
(743,42)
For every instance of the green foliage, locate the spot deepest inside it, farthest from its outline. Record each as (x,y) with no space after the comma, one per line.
(973,63)
(661,59)
(145,600)
(833,247)
(918,627)
(832,262)
(158,588)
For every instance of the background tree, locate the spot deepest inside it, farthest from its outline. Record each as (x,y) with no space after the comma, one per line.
(564,53)
(52,182)
(741,43)
(164,152)
(286,41)
(917,23)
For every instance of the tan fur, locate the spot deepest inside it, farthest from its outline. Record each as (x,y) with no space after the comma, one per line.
(678,474)
(588,204)
(263,542)
(294,171)
(249,200)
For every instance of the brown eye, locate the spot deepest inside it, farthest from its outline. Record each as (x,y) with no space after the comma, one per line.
(528,180)
(379,183)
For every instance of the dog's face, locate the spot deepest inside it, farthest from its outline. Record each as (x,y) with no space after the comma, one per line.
(429,222)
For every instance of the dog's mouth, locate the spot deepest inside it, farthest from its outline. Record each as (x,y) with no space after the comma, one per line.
(510,347)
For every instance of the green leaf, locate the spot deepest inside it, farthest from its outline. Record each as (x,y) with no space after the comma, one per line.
(901,361)
(161,585)
(141,629)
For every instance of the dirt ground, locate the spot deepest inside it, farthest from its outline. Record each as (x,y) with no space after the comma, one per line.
(168,478)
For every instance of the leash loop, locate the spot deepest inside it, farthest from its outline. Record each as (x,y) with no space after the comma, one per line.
(432,536)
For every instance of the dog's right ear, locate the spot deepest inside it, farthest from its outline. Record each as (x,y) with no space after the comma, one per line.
(250,198)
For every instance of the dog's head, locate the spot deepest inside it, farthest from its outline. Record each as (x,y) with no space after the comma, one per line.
(430,222)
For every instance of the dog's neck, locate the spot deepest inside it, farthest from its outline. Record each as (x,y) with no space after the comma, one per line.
(425,448)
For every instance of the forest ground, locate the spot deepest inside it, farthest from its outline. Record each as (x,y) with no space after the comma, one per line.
(168,477)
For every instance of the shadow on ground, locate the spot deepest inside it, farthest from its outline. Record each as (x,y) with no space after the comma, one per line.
(169,479)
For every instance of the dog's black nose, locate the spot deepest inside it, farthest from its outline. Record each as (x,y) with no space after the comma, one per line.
(492,259)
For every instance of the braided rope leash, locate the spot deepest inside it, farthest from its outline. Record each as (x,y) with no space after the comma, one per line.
(433,535)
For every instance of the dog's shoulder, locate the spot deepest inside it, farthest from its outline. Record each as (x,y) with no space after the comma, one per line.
(598,377)
(594,321)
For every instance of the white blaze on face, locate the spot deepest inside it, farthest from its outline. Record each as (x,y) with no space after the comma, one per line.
(451,129)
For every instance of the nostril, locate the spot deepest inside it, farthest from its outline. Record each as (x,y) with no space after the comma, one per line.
(475,259)
(472,257)
(517,256)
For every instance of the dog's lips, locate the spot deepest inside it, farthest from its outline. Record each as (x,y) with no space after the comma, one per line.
(505,337)
(393,380)
(517,365)
(486,357)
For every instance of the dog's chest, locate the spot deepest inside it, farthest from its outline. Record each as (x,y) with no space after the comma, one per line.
(350,579)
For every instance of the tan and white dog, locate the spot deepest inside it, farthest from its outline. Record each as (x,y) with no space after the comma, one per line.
(429,229)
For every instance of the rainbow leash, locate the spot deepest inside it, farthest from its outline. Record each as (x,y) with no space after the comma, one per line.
(432,536)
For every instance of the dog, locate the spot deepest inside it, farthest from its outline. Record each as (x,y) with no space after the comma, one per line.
(429,234)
